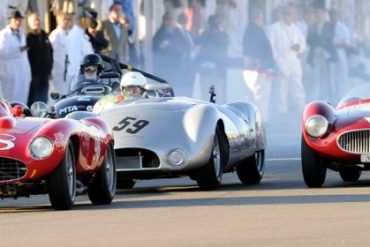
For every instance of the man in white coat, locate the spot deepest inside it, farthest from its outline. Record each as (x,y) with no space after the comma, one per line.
(78,46)
(15,71)
(58,39)
(287,44)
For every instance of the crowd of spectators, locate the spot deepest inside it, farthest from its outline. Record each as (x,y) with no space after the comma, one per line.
(301,55)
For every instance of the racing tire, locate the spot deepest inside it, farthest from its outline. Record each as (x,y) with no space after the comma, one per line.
(61,182)
(102,188)
(209,177)
(313,166)
(350,174)
(251,169)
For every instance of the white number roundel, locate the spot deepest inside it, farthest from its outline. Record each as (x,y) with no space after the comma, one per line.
(6,141)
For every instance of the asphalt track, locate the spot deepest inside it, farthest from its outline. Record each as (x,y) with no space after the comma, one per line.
(280,211)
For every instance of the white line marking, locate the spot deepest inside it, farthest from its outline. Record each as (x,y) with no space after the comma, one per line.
(283,159)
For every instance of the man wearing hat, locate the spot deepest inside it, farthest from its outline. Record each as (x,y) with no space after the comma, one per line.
(15,72)
(78,45)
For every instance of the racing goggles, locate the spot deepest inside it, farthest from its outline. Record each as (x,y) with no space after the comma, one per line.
(132,90)
(90,69)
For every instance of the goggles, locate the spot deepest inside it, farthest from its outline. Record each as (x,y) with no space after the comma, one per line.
(132,90)
(90,69)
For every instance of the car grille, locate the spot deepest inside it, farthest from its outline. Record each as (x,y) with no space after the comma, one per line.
(357,142)
(128,159)
(11,169)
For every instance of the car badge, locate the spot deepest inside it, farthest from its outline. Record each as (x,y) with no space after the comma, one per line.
(59,140)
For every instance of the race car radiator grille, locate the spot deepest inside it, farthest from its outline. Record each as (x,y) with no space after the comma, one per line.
(11,169)
(133,159)
(357,142)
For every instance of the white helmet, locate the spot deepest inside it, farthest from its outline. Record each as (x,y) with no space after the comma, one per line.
(133,79)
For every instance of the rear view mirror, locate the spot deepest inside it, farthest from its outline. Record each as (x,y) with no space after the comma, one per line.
(55,95)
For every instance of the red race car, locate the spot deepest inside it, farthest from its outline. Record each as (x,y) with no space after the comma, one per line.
(62,157)
(336,138)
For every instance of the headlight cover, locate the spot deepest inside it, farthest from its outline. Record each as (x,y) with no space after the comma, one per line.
(41,148)
(175,157)
(316,125)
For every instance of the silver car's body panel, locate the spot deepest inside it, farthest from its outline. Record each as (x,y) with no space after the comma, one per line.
(160,125)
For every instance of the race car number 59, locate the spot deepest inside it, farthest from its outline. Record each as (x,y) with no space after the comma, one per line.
(131,125)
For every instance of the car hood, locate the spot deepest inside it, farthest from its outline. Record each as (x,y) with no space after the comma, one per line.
(353,114)
(165,104)
(20,126)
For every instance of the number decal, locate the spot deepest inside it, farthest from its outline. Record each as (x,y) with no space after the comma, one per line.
(6,141)
(134,124)
(140,124)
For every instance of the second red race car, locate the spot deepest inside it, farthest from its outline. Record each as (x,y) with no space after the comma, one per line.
(336,138)
(62,157)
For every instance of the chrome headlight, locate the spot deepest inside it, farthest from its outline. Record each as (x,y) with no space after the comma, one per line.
(41,147)
(175,157)
(316,125)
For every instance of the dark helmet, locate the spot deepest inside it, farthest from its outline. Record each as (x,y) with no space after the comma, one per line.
(92,59)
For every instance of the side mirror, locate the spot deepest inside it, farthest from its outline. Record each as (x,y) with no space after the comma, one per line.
(38,109)
(55,95)
(212,92)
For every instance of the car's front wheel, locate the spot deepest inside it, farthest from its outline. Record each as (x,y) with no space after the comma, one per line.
(103,187)
(350,174)
(62,182)
(313,166)
(251,169)
(209,176)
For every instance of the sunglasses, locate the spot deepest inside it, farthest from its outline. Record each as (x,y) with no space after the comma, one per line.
(90,69)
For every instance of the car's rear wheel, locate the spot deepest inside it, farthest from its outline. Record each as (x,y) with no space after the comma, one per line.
(251,169)
(350,174)
(103,186)
(62,182)
(313,166)
(209,176)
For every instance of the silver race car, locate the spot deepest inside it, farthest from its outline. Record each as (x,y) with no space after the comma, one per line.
(166,137)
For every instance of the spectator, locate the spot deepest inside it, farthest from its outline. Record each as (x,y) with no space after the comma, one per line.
(169,51)
(78,45)
(341,42)
(40,55)
(322,56)
(188,68)
(287,44)
(115,31)
(96,37)
(15,72)
(258,60)
(58,40)
(128,10)
(212,58)
(197,10)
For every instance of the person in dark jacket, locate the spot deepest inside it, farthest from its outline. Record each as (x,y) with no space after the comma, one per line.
(40,55)
(259,61)
(212,59)
(322,56)
(169,51)
(97,39)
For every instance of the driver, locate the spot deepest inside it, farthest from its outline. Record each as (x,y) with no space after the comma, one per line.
(91,67)
(132,86)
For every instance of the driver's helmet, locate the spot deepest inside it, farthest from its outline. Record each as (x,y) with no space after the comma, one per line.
(91,66)
(133,84)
